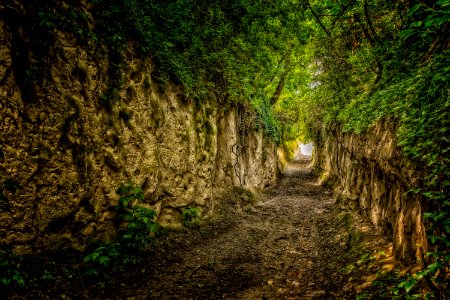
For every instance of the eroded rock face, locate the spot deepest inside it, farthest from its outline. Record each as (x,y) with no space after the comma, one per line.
(68,149)
(372,176)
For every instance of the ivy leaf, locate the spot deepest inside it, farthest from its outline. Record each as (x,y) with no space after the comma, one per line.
(446,241)
(413,9)
(104,261)
(408,284)
(91,272)
(6,281)
(434,238)
(416,24)
(17,278)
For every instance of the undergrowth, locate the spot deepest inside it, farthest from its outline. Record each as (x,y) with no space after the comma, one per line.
(137,228)
(190,217)
(10,270)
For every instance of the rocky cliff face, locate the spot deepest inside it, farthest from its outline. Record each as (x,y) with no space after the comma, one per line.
(372,176)
(65,149)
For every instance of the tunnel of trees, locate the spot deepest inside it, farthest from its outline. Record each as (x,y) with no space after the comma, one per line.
(303,66)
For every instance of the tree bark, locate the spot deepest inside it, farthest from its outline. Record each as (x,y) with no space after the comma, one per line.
(369,21)
(318,19)
(283,79)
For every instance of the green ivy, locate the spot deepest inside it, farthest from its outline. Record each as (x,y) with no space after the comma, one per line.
(401,74)
(232,52)
(267,120)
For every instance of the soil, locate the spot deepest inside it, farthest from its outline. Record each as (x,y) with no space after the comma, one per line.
(296,242)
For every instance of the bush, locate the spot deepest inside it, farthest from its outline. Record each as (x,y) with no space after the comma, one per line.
(138,233)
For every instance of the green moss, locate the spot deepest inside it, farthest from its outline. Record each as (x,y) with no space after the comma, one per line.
(190,217)
(208,128)
(289,148)
(244,195)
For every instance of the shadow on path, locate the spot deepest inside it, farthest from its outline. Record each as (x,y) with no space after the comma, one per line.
(291,245)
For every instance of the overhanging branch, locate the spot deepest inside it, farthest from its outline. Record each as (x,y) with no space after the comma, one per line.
(318,19)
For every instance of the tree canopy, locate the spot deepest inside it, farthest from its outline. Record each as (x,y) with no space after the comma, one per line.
(302,65)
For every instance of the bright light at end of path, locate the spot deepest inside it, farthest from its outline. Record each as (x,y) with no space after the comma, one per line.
(306,149)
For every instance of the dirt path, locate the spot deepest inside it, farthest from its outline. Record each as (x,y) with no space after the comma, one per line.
(295,243)
(291,245)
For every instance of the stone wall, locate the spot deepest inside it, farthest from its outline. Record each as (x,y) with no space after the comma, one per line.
(67,148)
(372,176)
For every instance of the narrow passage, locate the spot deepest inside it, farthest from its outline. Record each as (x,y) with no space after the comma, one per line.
(291,245)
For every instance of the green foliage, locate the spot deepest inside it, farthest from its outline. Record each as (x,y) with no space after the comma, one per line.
(289,148)
(140,221)
(231,51)
(303,66)
(267,120)
(428,23)
(138,233)
(140,228)
(129,195)
(47,276)
(389,60)
(190,217)
(9,269)
(101,257)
